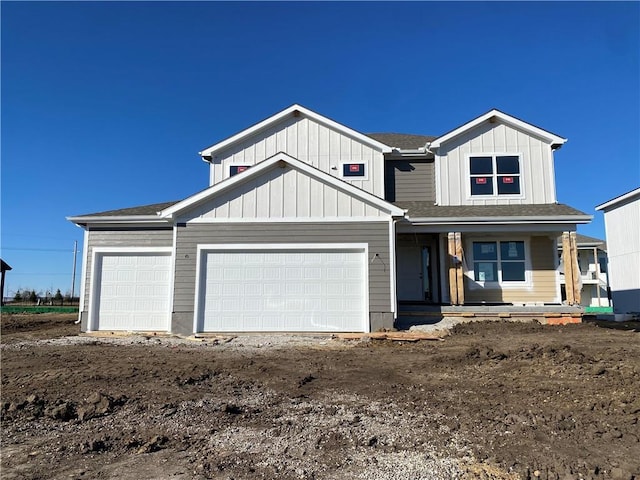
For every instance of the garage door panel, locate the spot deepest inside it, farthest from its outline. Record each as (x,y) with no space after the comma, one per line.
(306,290)
(133,291)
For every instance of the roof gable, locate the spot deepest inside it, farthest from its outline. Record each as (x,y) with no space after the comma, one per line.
(283,116)
(620,200)
(493,116)
(281,187)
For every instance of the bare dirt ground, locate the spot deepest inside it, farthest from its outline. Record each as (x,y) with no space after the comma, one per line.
(493,400)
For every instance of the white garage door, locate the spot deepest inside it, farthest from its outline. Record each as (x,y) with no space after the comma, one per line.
(132,291)
(310,290)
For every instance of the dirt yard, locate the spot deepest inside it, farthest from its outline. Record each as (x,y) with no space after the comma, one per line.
(491,401)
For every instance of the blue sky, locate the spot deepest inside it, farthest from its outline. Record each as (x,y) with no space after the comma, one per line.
(105,105)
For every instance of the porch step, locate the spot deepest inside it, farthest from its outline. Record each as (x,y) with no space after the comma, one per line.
(407,319)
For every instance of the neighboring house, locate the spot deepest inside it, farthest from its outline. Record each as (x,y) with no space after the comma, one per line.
(592,263)
(4,267)
(309,225)
(622,228)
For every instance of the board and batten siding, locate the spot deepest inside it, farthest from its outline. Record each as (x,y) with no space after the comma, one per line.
(544,287)
(622,224)
(124,237)
(308,141)
(284,193)
(375,234)
(537,176)
(410,181)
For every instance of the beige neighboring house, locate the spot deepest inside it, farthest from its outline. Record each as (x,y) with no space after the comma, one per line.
(311,226)
(622,227)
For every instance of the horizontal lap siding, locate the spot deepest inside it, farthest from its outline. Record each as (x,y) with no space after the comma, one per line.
(121,238)
(375,234)
(410,180)
(544,289)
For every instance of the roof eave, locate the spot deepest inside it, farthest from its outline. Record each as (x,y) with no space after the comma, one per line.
(140,219)
(619,199)
(561,219)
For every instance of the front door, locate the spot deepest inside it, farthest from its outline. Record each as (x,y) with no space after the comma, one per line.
(415,274)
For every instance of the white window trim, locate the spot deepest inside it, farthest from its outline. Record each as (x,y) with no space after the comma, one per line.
(351,178)
(494,175)
(477,284)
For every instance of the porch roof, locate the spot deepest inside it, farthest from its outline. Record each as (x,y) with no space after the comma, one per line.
(488,213)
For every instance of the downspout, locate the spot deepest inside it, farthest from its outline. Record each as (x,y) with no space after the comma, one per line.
(392,261)
(83,280)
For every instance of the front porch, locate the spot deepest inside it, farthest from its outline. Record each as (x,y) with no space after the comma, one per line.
(485,268)
(415,314)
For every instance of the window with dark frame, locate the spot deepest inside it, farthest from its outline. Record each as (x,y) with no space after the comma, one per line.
(499,261)
(235,169)
(353,170)
(494,175)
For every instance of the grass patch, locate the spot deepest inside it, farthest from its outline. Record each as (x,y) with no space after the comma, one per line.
(37,309)
(599,310)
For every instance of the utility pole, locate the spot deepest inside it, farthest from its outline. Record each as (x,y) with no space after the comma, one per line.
(73,276)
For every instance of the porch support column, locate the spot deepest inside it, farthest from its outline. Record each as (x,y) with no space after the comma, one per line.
(571,268)
(456,274)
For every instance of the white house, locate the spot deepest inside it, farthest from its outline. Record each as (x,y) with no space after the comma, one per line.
(310,225)
(622,228)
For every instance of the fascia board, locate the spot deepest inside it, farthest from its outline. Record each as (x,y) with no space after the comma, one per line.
(570,219)
(141,219)
(261,167)
(274,119)
(508,119)
(622,198)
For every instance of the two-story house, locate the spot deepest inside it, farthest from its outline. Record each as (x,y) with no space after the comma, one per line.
(309,225)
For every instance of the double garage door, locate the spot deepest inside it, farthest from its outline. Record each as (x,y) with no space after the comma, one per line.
(301,289)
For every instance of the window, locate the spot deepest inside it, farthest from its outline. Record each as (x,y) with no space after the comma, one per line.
(353,170)
(502,261)
(235,169)
(495,175)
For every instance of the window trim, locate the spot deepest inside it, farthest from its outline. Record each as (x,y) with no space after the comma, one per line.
(479,284)
(494,175)
(354,177)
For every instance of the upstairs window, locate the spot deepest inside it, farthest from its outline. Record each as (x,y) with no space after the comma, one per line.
(495,175)
(353,170)
(235,169)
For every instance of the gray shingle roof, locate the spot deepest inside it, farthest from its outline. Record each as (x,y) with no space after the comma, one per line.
(586,240)
(428,209)
(151,209)
(402,140)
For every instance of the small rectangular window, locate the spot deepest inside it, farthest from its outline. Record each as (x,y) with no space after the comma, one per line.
(353,170)
(235,169)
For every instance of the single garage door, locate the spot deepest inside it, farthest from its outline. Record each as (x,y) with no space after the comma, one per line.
(132,291)
(304,290)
